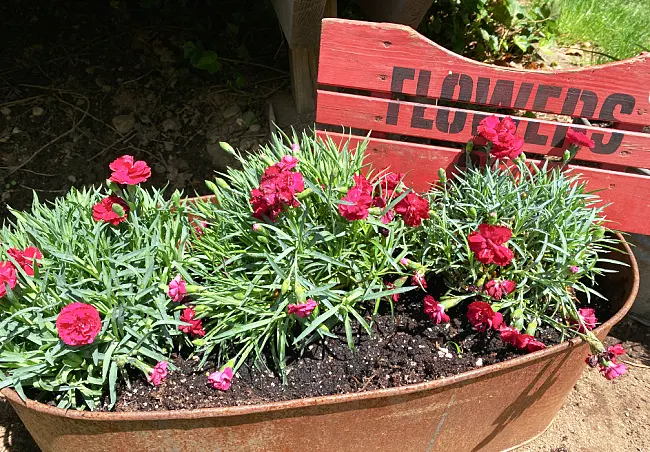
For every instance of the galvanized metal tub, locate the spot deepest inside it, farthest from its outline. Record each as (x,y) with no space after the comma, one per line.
(494,408)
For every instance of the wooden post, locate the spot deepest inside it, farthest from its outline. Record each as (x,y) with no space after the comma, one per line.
(301,23)
(407,12)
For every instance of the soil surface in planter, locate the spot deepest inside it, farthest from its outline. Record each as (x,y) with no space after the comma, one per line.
(405,348)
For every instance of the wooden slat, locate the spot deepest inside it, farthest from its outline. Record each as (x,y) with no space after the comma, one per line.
(456,125)
(395,58)
(628,193)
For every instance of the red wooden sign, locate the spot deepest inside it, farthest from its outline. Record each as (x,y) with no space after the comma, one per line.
(392,63)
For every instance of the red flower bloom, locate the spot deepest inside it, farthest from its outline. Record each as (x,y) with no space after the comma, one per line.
(588,317)
(413,208)
(487,244)
(357,203)
(126,171)
(111,209)
(78,324)
(499,289)
(7,277)
(177,289)
(532,344)
(362,183)
(613,369)
(579,139)
(435,310)
(482,317)
(26,258)
(302,310)
(277,189)
(615,350)
(502,135)
(195,327)
(511,336)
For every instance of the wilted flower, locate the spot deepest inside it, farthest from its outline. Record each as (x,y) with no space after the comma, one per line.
(418,279)
(435,310)
(498,289)
(158,373)
(302,309)
(221,379)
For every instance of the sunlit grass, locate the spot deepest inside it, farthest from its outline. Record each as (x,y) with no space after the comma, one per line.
(616,28)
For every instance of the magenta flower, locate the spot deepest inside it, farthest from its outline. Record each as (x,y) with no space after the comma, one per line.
(574,269)
(295,147)
(405,262)
(177,289)
(588,317)
(435,310)
(158,373)
(302,310)
(221,379)
(257,227)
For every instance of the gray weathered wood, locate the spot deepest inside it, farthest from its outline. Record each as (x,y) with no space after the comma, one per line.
(300,21)
(407,12)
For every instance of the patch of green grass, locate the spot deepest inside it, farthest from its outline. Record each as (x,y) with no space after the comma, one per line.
(618,28)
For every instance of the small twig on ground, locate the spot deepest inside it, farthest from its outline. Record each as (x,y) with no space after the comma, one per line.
(631,363)
(136,79)
(368,381)
(21,101)
(34,172)
(49,143)
(124,139)
(86,112)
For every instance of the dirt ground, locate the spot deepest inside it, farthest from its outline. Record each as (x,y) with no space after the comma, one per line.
(82,83)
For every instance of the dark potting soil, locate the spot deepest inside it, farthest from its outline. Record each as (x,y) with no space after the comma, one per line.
(405,348)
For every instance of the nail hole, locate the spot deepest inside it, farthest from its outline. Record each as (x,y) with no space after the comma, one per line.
(387,43)
(383,77)
(612,186)
(378,118)
(625,153)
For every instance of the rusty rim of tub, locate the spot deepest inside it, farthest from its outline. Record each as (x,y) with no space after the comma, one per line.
(11,395)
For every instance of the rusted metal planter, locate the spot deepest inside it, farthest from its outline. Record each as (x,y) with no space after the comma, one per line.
(494,408)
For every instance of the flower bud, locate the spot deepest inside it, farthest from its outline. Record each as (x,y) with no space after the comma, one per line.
(176,199)
(300,293)
(226,147)
(469,146)
(112,186)
(257,227)
(532,327)
(442,175)
(213,188)
(266,159)
(222,183)
(262,239)
(566,156)
(118,209)
(304,194)
(374,210)
(286,285)
(518,319)
(472,213)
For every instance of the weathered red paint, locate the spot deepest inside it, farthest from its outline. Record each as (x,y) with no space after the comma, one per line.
(363,56)
(468,412)
(458,125)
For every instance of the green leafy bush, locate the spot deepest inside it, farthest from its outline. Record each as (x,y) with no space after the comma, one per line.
(491,30)
(252,270)
(558,240)
(116,269)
